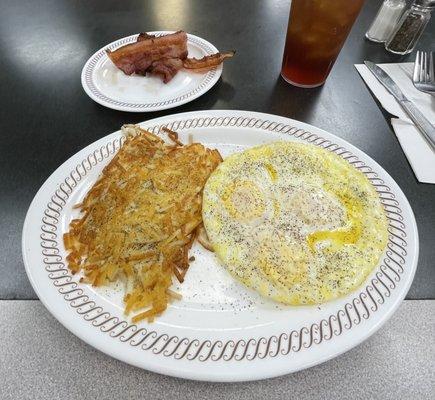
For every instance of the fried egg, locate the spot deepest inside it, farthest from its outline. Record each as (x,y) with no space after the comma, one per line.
(295,222)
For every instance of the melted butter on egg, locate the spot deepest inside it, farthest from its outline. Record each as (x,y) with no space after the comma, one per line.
(295,222)
(350,233)
(271,171)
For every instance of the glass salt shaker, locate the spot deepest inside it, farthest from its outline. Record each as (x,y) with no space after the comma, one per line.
(410,27)
(385,20)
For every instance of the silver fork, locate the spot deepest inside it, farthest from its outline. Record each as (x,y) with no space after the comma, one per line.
(424,72)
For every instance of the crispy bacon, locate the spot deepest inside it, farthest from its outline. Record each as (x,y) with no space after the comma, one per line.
(138,57)
(145,36)
(163,56)
(207,62)
(166,68)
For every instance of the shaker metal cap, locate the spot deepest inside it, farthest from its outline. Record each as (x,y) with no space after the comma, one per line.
(425,3)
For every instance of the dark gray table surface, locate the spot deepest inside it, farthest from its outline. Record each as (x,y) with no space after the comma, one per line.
(45,116)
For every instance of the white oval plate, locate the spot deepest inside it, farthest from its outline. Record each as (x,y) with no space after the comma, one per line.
(220,331)
(110,87)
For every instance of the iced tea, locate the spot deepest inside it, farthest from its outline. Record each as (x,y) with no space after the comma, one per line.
(316,32)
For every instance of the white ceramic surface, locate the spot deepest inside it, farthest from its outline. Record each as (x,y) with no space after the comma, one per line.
(109,86)
(220,330)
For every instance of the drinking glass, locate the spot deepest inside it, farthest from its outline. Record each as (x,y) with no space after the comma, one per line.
(317,30)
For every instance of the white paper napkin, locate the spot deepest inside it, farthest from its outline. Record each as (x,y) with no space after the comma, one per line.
(417,150)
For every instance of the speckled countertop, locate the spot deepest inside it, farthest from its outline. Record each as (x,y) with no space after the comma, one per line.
(40,359)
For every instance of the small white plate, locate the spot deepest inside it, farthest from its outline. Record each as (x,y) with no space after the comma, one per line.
(110,87)
(220,330)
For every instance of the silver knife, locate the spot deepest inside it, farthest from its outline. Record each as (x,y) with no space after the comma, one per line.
(423,125)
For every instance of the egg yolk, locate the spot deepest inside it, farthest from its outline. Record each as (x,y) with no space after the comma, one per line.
(244,201)
(282,262)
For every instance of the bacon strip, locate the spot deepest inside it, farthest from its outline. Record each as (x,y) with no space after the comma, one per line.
(144,36)
(166,68)
(163,56)
(207,62)
(138,57)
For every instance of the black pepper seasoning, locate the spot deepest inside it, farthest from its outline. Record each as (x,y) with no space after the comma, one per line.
(410,27)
